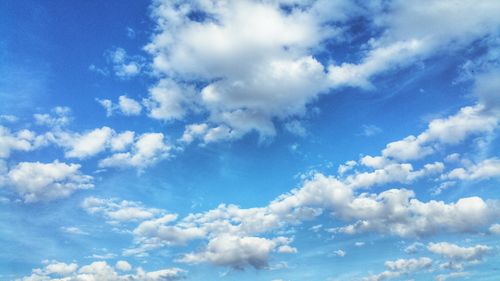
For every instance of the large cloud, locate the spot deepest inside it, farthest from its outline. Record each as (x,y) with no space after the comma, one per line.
(250,63)
(35,181)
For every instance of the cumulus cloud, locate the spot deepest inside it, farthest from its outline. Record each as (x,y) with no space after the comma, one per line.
(124,66)
(457,253)
(100,270)
(23,140)
(236,252)
(60,117)
(36,181)
(148,149)
(399,267)
(248,64)
(125,105)
(486,169)
(118,211)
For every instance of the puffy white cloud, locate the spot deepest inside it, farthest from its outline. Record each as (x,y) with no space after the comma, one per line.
(457,253)
(100,270)
(401,266)
(35,181)
(123,266)
(108,106)
(129,106)
(237,252)
(244,52)
(339,253)
(148,149)
(60,118)
(408,265)
(454,129)
(486,169)
(23,140)
(415,30)
(118,211)
(124,66)
(121,141)
(88,144)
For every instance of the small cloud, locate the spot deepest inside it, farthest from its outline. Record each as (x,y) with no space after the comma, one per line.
(73,230)
(340,253)
(371,130)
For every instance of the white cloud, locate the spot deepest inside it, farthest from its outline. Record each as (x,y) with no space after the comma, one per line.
(124,66)
(408,265)
(100,270)
(118,211)
(108,106)
(237,252)
(35,181)
(486,169)
(401,266)
(88,144)
(339,253)
(60,118)
(129,106)
(148,149)
(23,140)
(457,253)
(123,266)
(73,230)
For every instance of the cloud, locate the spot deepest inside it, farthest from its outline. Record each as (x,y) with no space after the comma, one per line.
(129,106)
(148,149)
(100,270)
(124,66)
(399,267)
(23,140)
(88,144)
(126,106)
(456,253)
(61,117)
(243,73)
(486,169)
(118,211)
(73,230)
(35,181)
(236,252)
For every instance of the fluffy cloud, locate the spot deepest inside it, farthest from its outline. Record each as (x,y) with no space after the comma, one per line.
(148,149)
(236,252)
(23,140)
(243,52)
(118,211)
(124,66)
(35,181)
(486,169)
(100,270)
(126,106)
(231,59)
(457,253)
(60,117)
(129,106)
(88,144)
(399,267)
(394,212)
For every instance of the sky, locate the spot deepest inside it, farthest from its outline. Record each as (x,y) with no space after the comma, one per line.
(275,140)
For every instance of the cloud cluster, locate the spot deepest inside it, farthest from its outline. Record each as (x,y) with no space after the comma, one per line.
(100,270)
(36,181)
(248,64)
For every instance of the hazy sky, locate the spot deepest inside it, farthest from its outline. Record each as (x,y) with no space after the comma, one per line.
(275,140)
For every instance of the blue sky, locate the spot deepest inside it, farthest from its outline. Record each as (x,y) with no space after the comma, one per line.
(276,140)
